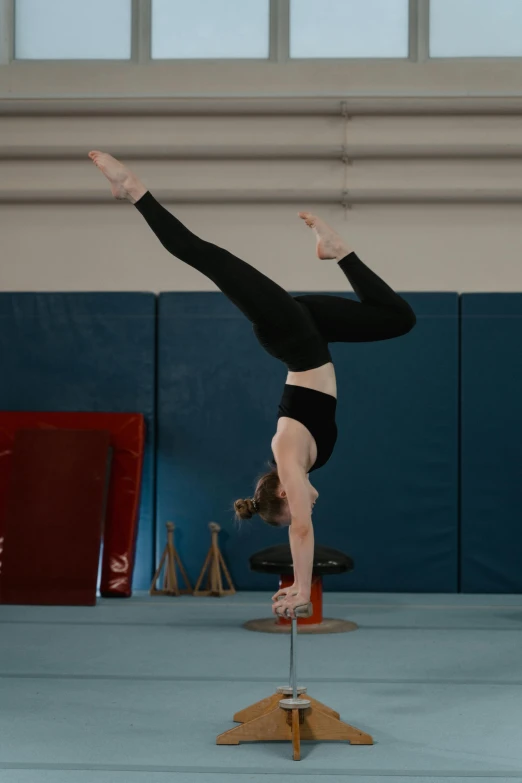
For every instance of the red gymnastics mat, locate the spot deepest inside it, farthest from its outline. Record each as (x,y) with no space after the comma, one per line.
(55,517)
(127,442)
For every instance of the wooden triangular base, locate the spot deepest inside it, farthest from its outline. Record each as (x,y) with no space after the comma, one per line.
(293,726)
(215,564)
(267,705)
(170,559)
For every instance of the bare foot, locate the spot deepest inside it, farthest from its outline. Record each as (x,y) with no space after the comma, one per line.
(329,243)
(124,185)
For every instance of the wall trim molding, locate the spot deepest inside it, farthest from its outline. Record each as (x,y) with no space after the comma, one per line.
(245,152)
(347,198)
(279,106)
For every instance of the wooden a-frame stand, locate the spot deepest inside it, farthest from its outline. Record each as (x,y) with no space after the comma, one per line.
(292,719)
(214,563)
(314,722)
(170,559)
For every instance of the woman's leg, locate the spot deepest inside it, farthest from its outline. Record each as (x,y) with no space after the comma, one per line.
(261,300)
(267,305)
(381,313)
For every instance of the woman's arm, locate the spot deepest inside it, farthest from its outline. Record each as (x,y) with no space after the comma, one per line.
(302,547)
(301,531)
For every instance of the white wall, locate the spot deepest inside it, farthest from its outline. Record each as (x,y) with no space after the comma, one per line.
(106,248)
(60,230)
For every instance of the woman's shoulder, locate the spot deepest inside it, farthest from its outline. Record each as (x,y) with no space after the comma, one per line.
(292,449)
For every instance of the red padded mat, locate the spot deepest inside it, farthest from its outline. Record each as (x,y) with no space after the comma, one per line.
(55,510)
(128,443)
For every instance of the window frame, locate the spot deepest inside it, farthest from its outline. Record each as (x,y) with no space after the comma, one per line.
(277,62)
(279,40)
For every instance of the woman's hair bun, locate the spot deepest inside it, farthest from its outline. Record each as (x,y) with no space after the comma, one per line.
(244,509)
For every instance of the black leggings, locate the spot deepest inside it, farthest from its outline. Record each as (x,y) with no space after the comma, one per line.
(295,330)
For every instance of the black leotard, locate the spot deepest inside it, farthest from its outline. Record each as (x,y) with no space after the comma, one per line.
(316,410)
(295,330)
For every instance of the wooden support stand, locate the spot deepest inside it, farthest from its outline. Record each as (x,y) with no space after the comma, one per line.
(267,705)
(170,559)
(214,564)
(307,723)
(293,719)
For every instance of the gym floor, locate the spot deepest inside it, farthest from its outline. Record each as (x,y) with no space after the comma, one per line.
(136,691)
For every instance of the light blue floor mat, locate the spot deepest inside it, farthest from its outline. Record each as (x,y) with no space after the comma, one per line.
(135,691)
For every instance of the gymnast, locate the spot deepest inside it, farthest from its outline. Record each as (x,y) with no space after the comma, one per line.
(297,331)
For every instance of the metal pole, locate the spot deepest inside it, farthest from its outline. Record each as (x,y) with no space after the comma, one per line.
(293,652)
(290,679)
(294,702)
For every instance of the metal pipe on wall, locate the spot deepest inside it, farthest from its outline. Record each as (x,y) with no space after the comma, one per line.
(347,198)
(389,152)
(284,106)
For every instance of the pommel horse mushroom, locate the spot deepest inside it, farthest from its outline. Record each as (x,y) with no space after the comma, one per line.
(290,714)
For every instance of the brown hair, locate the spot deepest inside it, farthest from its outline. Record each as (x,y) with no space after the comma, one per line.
(266,502)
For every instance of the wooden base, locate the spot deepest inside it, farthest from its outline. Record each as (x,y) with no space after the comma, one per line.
(277,724)
(267,705)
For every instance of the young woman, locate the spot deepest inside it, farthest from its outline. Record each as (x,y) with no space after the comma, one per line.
(296,331)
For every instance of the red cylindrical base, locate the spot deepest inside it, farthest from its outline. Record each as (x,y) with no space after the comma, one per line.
(316,598)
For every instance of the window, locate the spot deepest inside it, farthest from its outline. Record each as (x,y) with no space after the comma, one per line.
(476,28)
(73,29)
(258,30)
(349,28)
(208,29)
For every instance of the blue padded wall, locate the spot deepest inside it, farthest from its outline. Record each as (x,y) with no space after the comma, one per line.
(389,494)
(92,352)
(392,486)
(217,399)
(491,438)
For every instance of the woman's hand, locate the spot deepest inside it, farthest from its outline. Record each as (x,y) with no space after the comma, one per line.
(285,607)
(285,592)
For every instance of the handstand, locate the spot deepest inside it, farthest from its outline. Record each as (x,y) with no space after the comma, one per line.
(296,330)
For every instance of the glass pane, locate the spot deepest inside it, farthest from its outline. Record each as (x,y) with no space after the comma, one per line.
(476,28)
(349,28)
(73,29)
(203,29)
